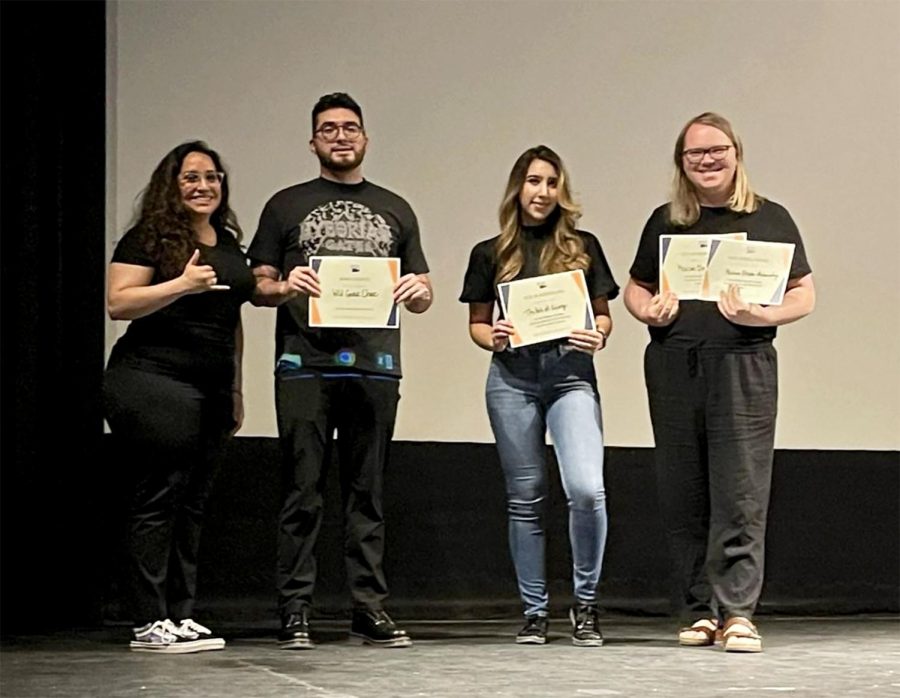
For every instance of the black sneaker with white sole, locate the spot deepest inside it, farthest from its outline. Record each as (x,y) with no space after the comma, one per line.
(161,637)
(586,625)
(534,632)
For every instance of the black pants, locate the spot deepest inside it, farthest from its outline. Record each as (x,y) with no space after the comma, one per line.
(363,410)
(713,416)
(169,434)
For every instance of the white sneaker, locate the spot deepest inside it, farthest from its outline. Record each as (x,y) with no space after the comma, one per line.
(199,636)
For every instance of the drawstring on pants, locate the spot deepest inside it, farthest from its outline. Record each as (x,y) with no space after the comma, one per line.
(693,362)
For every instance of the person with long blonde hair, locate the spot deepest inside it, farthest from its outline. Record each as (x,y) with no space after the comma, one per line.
(711,374)
(547,386)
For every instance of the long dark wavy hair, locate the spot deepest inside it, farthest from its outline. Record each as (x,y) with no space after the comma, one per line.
(162,221)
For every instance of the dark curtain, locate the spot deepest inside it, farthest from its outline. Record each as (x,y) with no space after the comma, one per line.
(53,248)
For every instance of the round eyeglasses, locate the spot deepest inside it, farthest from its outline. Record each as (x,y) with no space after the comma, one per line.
(330,131)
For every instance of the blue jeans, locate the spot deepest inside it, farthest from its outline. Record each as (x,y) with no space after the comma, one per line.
(529,391)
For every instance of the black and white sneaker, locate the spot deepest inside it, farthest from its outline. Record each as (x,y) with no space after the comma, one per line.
(158,636)
(161,637)
(376,628)
(534,632)
(199,636)
(586,625)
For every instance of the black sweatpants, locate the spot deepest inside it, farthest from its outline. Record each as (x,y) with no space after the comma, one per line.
(363,409)
(713,415)
(169,433)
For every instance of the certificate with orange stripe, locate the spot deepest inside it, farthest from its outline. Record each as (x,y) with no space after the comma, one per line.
(546,307)
(356,292)
(683,260)
(759,269)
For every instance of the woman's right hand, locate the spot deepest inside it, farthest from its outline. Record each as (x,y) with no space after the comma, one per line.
(198,277)
(662,309)
(500,334)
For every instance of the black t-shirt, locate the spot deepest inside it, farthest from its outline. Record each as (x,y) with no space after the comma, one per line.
(319,218)
(699,323)
(193,337)
(479,286)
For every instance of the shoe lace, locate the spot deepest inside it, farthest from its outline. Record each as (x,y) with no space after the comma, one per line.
(300,617)
(167,630)
(586,617)
(189,625)
(382,618)
(535,623)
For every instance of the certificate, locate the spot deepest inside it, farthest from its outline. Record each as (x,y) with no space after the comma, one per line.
(682,262)
(546,307)
(356,292)
(759,269)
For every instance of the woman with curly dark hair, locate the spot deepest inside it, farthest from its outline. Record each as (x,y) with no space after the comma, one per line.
(172,386)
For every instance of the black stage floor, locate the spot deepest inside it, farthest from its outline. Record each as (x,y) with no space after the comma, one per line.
(804,656)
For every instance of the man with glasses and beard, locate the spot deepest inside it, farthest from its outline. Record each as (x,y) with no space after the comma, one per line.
(329,378)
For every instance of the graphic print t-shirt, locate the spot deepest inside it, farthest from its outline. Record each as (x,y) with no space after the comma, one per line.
(324,218)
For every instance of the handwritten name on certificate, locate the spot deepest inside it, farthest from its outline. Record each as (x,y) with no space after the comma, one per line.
(759,269)
(356,292)
(546,307)
(682,262)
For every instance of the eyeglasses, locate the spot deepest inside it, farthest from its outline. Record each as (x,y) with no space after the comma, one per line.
(210,177)
(329,131)
(695,155)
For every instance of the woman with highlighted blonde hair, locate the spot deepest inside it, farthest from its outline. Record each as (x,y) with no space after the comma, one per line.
(711,374)
(549,385)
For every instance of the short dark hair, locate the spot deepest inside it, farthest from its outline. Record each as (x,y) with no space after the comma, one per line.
(336,100)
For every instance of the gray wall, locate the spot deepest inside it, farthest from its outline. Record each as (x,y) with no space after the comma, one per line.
(454,91)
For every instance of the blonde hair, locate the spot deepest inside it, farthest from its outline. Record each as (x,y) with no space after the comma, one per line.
(684,207)
(565,249)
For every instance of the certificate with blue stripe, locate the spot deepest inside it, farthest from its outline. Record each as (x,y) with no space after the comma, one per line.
(356,292)
(546,307)
(759,269)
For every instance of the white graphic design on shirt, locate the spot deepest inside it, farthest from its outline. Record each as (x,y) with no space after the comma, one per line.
(345,227)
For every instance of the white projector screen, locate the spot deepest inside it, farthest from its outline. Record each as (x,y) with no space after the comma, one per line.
(453,92)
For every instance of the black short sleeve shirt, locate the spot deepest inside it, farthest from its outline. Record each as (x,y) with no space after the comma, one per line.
(699,323)
(479,286)
(195,335)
